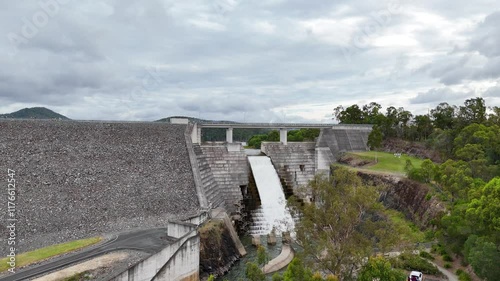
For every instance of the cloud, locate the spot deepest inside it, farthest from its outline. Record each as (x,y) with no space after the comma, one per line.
(244,60)
(493,92)
(486,38)
(439,95)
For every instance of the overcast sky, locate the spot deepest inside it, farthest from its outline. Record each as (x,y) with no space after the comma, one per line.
(241,60)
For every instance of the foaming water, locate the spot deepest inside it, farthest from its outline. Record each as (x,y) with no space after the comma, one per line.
(272,212)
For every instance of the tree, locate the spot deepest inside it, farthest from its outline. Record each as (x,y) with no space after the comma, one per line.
(494,117)
(484,210)
(296,271)
(443,116)
(404,117)
(375,138)
(351,115)
(428,170)
(484,257)
(455,177)
(338,230)
(473,111)
(378,268)
(371,113)
(423,127)
(262,257)
(253,272)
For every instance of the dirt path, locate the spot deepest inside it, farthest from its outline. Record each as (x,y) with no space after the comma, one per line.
(103,261)
(450,275)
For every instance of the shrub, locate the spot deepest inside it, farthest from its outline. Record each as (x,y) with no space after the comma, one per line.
(447,265)
(410,261)
(447,257)
(277,277)
(429,235)
(463,276)
(426,255)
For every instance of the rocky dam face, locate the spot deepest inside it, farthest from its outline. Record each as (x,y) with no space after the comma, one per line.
(80,179)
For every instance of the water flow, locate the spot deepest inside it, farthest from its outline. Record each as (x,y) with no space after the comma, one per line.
(272,212)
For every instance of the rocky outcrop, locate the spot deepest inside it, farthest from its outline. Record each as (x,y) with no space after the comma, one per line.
(218,252)
(406,196)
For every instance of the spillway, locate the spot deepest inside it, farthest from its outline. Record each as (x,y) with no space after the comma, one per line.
(272,212)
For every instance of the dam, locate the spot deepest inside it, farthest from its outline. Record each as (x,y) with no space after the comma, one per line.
(80,179)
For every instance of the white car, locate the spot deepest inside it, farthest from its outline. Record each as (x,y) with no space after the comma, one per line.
(416,276)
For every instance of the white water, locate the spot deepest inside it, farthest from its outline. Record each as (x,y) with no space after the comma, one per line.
(272,212)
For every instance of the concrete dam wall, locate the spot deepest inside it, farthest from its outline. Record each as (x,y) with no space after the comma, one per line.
(81,179)
(224,170)
(298,162)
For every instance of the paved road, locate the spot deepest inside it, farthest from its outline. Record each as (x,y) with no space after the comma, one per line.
(150,241)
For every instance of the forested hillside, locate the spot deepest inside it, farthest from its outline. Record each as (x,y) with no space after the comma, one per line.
(467,140)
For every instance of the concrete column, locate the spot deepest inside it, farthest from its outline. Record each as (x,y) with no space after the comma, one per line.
(283,136)
(198,135)
(229,135)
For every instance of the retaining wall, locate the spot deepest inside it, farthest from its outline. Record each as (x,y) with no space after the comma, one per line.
(178,261)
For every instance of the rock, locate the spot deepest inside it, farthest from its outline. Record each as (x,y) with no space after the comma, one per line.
(256,240)
(271,238)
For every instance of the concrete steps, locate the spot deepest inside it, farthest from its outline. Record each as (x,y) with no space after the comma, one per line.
(229,171)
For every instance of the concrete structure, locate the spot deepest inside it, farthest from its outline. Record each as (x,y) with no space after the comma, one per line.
(224,172)
(282,127)
(178,261)
(298,162)
(281,261)
(294,162)
(220,214)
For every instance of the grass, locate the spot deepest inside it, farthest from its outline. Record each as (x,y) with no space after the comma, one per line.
(48,252)
(409,231)
(386,162)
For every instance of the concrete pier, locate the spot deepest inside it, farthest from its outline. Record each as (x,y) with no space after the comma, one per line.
(280,261)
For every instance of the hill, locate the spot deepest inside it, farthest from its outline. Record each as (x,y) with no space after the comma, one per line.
(34,113)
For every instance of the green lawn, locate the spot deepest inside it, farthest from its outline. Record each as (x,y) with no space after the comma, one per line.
(386,162)
(48,252)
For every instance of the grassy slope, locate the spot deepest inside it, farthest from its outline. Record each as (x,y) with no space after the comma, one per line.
(48,252)
(386,162)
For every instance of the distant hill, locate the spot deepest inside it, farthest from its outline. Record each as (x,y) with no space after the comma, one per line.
(216,134)
(34,113)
